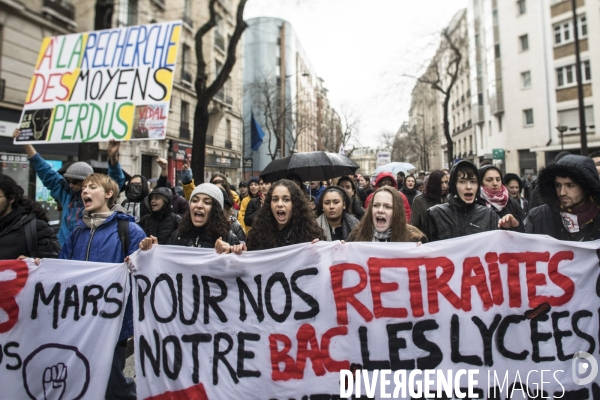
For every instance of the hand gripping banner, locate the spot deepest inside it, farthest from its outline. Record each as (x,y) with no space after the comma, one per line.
(509,309)
(59,324)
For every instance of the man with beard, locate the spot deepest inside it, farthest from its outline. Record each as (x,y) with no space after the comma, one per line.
(136,190)
(162,221)
(570,192)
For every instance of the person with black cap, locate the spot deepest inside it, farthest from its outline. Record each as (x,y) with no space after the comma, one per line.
(514,184)
(162,221)
(66,189)
(570,191)
(243,188)
(494,194)
(463,215)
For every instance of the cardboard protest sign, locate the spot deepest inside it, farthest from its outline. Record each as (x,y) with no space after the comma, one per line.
(102,85)
(59,325)
(283,323)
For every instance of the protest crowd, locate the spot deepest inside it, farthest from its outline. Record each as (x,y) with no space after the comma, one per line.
(563,202)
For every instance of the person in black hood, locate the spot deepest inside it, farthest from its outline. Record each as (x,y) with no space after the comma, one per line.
(463,215)
(16,212)
(162,221)
(570,191)
(535,199)
(495,196)
(514,184)
(136,190)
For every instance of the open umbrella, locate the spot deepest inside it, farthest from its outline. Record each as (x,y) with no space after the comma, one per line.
(395,167)
(312,166)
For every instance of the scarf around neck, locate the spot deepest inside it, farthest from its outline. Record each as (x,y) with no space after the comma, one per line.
(580,216)
(497,198)
(379,236)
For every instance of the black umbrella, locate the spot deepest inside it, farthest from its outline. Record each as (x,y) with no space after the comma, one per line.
(99,167)
(312,166)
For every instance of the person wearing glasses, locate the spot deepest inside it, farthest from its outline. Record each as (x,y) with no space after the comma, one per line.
(67,188)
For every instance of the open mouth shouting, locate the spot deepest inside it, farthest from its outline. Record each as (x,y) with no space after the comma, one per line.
(199,217)
(469,197)
(87,201)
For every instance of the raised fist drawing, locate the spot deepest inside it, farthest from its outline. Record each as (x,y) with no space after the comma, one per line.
(55,381)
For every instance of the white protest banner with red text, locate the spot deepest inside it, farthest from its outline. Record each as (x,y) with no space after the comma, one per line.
(59,324)
(282,323)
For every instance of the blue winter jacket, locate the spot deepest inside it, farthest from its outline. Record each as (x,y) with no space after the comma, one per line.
(70,200)
(105,246)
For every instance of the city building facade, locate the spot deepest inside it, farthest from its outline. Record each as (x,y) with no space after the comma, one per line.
(283,93)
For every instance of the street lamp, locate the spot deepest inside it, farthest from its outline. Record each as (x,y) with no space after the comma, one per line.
(562,129)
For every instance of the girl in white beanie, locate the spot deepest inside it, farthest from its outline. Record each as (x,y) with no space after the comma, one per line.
(204,225)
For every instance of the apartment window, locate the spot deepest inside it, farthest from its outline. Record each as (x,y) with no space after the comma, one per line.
(480,99)
(185,60)
(497,50)
(526,79)
(566,76)
(524,42)
(522,7)
(185,114)
(563,31)
(528,117)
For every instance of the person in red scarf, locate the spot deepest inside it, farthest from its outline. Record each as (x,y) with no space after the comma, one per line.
(570,191)
(495,195)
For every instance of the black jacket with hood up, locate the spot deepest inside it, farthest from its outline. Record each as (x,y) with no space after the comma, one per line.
(546,219)
(163,223)
(456,218)
(13,241)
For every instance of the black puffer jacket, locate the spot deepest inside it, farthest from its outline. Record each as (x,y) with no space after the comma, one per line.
(456,218)
(251,210)
(161,224)
(419,207)
(12,236)
(546,219)
(198,237)
(410,194)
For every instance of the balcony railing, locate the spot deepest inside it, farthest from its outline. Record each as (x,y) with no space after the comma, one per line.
(184,132)
(209,140)
(228,144)
(219,41)
(62,7)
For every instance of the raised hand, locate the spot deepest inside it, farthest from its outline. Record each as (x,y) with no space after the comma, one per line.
(113,151)
(55,381)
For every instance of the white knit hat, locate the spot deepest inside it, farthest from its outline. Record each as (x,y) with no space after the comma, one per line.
(209,189)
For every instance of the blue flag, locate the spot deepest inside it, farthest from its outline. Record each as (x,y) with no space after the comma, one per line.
(257,134)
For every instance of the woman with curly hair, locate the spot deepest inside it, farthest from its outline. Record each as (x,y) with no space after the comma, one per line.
(385,220)
(336,220)
(286,220)
(205,225)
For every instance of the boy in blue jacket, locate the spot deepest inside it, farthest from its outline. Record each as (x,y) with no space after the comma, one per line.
(67,189)
(96,238)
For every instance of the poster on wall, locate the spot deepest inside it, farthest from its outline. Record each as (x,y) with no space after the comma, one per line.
(102,85)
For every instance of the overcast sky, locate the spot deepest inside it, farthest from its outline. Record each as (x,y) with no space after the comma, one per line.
(363,49)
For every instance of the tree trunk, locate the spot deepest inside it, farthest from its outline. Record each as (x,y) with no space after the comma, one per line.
(199,145)
(449,143)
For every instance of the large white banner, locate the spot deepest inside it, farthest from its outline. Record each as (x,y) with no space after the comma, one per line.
(59,324)
(509,310)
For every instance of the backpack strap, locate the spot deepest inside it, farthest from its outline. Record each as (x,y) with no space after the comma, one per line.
(31,237)
(123,229)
